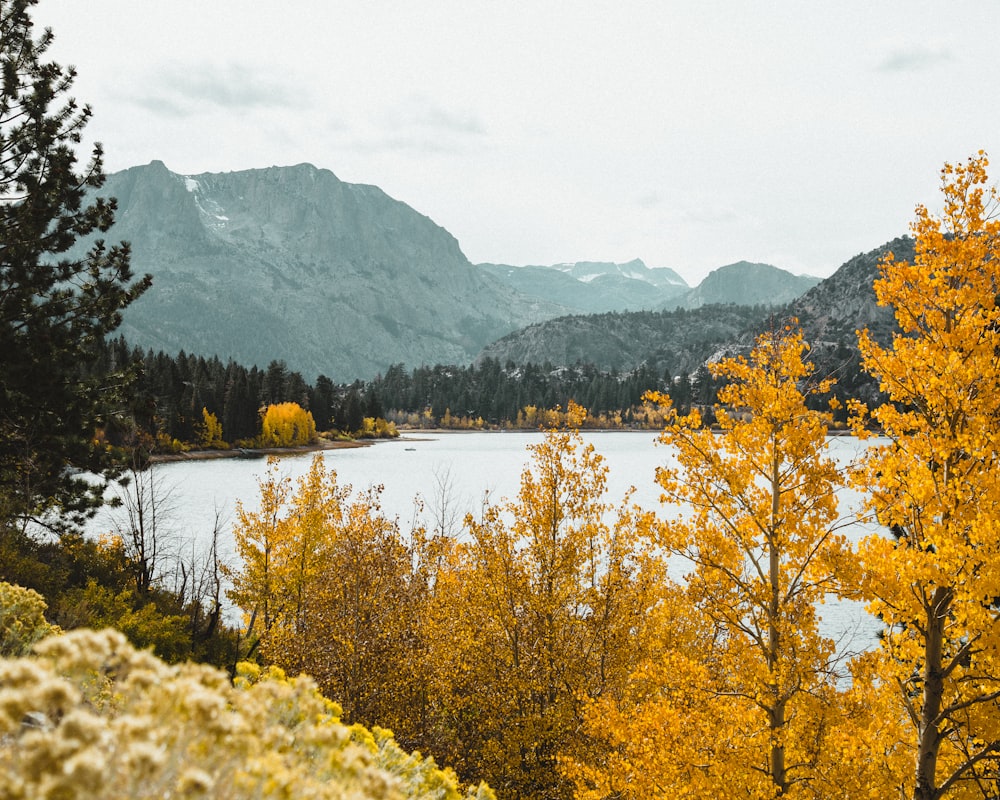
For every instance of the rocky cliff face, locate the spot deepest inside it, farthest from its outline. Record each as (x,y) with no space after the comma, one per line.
(292,263)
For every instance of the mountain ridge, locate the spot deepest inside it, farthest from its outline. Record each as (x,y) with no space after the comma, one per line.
(292,263)
(594,287)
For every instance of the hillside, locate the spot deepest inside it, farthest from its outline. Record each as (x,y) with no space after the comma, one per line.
(679,341)
(292,263)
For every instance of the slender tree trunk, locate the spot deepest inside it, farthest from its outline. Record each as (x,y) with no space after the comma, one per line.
(776,714)
(925,784)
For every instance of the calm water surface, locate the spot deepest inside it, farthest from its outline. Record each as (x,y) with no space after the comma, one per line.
(464,467)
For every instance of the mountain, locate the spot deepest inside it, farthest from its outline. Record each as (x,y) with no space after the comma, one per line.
(680,340)
(292,263)
(677,341)
(594,287)
(635,270)
(833,310)
(590,287)
(748,284)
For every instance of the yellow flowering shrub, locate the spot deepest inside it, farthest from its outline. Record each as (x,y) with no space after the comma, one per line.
(22,619)
(89,716)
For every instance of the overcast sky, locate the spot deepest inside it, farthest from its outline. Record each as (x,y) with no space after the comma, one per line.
(690,135)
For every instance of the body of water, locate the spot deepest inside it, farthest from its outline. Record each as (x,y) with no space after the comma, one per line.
(449,474)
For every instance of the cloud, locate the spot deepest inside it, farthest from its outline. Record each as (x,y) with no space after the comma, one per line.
(421,126)
(650,199)
(914,58)
(421,113)
(181,90)
(419,143)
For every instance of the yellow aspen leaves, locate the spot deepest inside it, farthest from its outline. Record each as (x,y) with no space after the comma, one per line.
(549,601)
(210,431)
(760,540)
(936,486)
(286,425)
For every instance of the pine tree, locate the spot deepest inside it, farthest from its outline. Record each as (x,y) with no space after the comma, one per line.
(55,307)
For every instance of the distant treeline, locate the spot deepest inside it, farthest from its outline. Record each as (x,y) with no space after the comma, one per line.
(499,393)
(174,390)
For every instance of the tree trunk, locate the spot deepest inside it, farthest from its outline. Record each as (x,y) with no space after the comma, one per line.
(925,786)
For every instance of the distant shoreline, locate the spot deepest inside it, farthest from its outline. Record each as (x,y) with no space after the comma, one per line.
(260,452)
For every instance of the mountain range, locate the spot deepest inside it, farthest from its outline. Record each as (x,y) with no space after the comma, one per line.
(340,279)
(593,287)
(294,264)
(679,341)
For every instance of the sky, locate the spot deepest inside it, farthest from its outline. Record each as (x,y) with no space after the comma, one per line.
(688,134)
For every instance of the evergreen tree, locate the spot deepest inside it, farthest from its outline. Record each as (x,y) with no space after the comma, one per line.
(56,305)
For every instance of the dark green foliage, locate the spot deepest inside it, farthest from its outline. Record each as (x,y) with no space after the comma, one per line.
(54,309)
(496,392)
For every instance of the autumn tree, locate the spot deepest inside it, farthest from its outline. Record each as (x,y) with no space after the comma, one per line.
(936,486)
(758,529)
(328,587)
(260,537)
(286,425)
(210,431)
(542,608)
(55,304)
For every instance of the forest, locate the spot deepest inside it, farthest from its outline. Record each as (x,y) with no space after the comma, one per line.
(173,395)
(543,647)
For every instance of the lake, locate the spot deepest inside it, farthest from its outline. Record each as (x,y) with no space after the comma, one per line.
(462,467)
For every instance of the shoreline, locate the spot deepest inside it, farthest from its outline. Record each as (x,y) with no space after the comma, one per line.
(411,434)
(262,452)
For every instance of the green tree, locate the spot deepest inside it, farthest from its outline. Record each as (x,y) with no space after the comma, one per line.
(55,307)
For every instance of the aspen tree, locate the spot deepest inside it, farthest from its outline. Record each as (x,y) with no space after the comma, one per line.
(762,540)
(936,485)
(549,603)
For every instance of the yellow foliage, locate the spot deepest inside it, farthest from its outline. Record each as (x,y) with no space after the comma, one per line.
(22,619)
(760,540)
(210,431)
(545,607)
(327,577)
(936,485)
(286,425)
(377,428)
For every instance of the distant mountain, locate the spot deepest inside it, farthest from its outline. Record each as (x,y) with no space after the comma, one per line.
(292,263)
(589,287)
(835,309)
(681,340)
(635,270)
(594,287)
(748,284)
